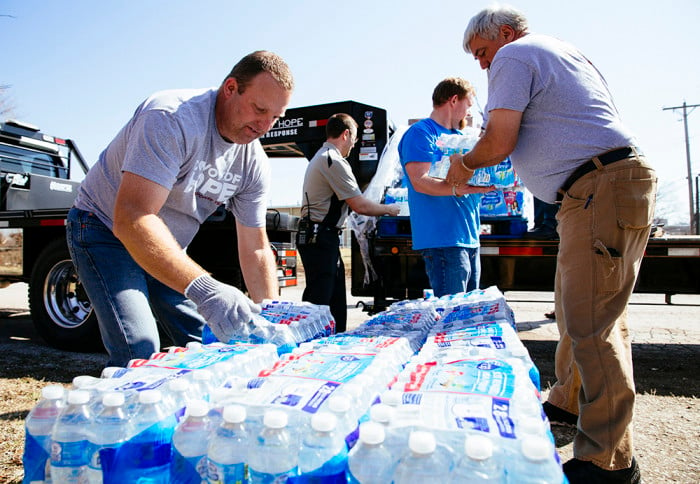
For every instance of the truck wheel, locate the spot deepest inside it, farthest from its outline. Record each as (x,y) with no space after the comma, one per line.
(61,311)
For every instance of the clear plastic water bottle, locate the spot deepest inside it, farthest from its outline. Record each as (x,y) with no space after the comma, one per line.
(108,432)
(339,406)
(202,383)
(518,351)
(179,393)
(37,433)
(396,440)
(478,463)
(423,463)
(227,453)
(274,453)
(145,457)
(69,440)
(323,456)
(369,462)
(535,463)
(190,442)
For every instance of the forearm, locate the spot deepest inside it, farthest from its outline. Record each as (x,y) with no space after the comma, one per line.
(259,270)
(154,248)
(365,206)
(485,153)
(429,185)
(257,262)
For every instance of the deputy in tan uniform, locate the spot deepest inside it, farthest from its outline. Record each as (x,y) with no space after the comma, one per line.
(330,188)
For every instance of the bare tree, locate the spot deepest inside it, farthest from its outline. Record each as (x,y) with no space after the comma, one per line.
(7,107)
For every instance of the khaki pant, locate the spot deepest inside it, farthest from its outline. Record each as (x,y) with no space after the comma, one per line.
(604,223)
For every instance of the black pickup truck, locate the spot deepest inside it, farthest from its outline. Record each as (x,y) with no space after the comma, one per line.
(39,176)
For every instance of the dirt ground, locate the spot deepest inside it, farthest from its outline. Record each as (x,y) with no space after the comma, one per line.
(666,350)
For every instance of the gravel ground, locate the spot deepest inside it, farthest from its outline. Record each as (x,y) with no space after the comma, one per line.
(666,350)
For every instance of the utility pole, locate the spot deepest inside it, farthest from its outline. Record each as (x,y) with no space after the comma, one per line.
(691,199)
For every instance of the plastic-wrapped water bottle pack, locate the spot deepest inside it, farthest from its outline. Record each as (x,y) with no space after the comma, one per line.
(434,388)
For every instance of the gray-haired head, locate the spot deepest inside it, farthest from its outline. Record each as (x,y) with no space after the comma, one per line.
(487,23)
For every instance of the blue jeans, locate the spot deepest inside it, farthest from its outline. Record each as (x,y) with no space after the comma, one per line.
(128,302)
(452,269)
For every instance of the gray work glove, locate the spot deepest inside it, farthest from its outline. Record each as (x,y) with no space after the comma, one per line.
(225,308)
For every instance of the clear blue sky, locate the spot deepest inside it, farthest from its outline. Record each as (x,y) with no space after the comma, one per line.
(77,69)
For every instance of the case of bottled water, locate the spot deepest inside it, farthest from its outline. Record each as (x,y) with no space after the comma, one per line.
(434,389)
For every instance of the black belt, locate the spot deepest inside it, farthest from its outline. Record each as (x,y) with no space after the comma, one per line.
(320,226)
(590,165)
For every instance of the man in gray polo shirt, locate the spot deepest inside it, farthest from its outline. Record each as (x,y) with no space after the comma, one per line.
(550,109)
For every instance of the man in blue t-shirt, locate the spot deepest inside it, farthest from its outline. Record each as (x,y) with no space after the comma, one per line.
(444,217)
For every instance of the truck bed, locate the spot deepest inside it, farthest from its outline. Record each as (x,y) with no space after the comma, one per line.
(671,264)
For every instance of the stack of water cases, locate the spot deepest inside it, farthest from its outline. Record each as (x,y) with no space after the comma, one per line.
(282,323)
(430,388)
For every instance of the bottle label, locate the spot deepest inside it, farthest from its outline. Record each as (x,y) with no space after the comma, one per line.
(227,473)
(268,478)
(188,469)
(69,454)
(337,478)
(35,457)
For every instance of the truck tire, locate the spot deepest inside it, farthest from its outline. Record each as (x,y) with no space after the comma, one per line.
(61,311)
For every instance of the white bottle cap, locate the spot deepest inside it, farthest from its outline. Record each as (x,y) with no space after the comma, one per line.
(197,408)
(178,385)
(83,381)
(194,345)
(518,351)
(78,397)
(531,426)
(202,375)
(462,410)
(306,346)
(52,392)
(275,419)
(536,448)
(352,389)
(392,397)
(150,396)
(478,447)
(323,422)
(381,413)
(371,433)
(421,442)
(234,413)
(109,371)
(339,403)
(113,399)
(223,367)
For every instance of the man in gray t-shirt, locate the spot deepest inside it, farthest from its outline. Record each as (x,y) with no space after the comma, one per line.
(182,154)
(550,109)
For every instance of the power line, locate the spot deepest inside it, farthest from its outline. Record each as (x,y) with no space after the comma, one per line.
(691,198)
